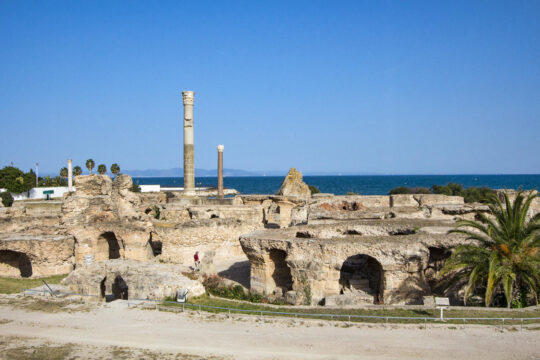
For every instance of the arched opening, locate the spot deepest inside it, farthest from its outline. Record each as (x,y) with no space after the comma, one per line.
(107,247)
(362,275)
(14,263)
(120,288)
(279,270)
(436,261)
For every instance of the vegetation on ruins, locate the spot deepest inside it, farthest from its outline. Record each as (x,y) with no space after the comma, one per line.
(135,188)
(314,189)
(115,169)
(77,171)
(64,173)
(102,169)
(90,165)
(7,198)
(409,190)
(214,285)
(471,194)
(506,256)
(16,181)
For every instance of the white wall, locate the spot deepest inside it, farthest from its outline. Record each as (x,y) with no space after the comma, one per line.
(150,188)
(59,191)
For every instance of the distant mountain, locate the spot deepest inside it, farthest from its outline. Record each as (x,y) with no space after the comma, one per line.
(179,172)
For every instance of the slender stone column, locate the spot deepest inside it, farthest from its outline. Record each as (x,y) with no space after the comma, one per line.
(189,149)
(220,171)
(70,175)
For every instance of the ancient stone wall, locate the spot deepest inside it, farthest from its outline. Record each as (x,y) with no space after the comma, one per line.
(315,257)
(35,255)
(179,241)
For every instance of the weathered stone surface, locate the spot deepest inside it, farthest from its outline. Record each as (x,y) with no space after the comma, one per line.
(403,200)
(35,255)
(179,241)
(315,256)
(294,186)
(105,219)
(143,280)
(434,199)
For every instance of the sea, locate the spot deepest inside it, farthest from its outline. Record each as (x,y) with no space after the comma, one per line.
(361,184)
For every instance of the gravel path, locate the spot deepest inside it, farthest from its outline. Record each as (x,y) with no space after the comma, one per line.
(106,325)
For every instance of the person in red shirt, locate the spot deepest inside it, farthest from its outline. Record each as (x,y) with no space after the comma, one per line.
(197,261)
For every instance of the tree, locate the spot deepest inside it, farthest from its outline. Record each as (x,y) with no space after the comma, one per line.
(15,181)
(77,171)
(90,165)
(115,169)
(505,254)
(102,169)
(64,173)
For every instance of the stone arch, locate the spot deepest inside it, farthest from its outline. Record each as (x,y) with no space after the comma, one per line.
(107,247)
(14,263)
(437,259)
(363,275)
(279,270)
(120,288)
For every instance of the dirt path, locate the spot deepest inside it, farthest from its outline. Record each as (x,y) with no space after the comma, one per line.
(211,335)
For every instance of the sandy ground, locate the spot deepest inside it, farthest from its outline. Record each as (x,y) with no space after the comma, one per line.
(97,330)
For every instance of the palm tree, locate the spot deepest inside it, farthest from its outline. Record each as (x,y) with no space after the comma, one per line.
(90,165)
(77,171)
(64,173)
(115,169)
(505,251)
(102,169)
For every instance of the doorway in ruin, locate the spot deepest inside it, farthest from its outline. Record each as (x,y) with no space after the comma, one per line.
(120,288)
(363,276)
(279,270)
(436,261)
(14,263)
(107,247)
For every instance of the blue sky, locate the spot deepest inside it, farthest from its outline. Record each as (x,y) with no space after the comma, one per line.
(389,87)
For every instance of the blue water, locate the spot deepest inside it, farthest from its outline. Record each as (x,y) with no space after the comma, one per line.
(364,185)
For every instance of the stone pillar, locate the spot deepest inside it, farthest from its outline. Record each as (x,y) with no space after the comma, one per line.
(189,149)
(70,175)
(220,171)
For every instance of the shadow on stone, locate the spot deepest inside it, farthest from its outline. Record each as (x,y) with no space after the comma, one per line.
(238,272)
(16,260)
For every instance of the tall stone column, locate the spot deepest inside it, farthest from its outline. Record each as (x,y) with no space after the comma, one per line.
(220,171)
(189,149)
(70,175)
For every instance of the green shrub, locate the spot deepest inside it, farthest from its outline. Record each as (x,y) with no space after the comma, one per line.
(214,285)
(352,193)
(7,199)
(314,189)
(409,190)
(135,188)
(399,190)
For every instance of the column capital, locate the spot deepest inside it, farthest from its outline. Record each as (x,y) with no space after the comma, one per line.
(220,148)
(188,97)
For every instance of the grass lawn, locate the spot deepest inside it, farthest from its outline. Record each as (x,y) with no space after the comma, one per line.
(419,313)
(17,285)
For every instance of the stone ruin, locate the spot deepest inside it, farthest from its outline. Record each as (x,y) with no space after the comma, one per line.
(320,249)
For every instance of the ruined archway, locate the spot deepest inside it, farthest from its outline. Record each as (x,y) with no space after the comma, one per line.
(436,261)
(363,276)
(119,288)
(107,246)
(280,272)
(14,263)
